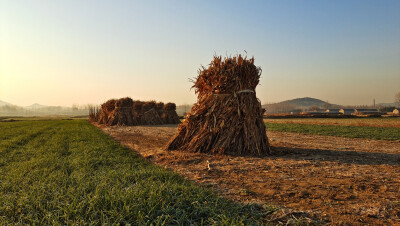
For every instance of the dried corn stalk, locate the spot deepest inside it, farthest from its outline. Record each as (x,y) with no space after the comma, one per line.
(227,117)
(127,112)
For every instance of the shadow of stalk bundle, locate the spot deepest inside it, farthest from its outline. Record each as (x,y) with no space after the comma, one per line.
(227,118)
(126,112)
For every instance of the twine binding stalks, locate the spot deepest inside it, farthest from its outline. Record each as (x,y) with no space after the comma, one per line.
(126,112)
(227,118)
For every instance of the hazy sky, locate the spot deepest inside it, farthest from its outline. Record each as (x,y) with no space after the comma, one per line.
(65,52)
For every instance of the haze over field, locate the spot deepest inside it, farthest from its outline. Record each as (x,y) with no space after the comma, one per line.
(61,53)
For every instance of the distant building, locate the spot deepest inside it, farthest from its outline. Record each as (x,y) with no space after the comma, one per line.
(396,112)
(360,111)
(346,111)
(333,111)
(295,111)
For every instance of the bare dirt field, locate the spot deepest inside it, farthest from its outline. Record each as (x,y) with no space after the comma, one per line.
(373,122)
(342,180)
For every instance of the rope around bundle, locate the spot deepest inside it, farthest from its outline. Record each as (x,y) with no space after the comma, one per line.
(245,91)
(238,92)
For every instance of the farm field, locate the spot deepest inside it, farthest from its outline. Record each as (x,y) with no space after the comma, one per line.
(200,113)
(39,118)
(70,172)
(372,122)
(370,128)
(345,180)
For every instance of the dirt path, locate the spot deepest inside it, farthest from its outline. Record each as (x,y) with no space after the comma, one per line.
(346,180)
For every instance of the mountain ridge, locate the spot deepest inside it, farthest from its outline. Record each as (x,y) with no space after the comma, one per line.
(3,103)
(306,102)
(36,105)
(298,105)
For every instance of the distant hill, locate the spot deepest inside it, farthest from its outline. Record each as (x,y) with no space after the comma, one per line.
(294,105)
(306,102)
(386,104)
(297,105)
(7,109)
(3,103)
(36,106)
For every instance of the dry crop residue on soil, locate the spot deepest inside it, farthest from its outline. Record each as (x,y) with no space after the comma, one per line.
(373,122)
(345,180)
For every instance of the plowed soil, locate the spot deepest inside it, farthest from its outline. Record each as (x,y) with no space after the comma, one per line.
(370,122)
(340,180)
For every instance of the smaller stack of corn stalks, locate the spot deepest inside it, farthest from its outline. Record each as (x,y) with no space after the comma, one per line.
(151,117)
(227,118)
(127,112)
(117,112)
(169,115)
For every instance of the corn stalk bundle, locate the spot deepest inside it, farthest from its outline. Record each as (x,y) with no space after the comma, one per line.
(144,112)
(227,118)
(151,117)
(117,112)
(160,107)
(127,112)
(137,110)
(169,115)
(169,107)
(148,106)
(105,109)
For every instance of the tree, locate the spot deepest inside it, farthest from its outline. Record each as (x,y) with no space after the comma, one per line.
(397,99)
(75,107)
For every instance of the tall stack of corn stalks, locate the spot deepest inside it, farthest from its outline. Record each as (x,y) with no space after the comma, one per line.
(126,112)
(227,118)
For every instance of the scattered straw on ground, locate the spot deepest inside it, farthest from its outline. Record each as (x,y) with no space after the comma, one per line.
(370,122)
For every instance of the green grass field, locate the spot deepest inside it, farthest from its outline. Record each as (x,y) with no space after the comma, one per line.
(369,132)
(40,118)
(69,172)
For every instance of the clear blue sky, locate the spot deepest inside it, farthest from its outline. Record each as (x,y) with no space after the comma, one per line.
(65,52)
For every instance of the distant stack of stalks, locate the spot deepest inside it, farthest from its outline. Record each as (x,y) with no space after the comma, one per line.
(126,112)
(169,115)
(227,118)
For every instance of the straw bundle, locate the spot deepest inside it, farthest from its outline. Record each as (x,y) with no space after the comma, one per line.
(127,112)
(105,109)
(149,105)
(227,117)
(170,107)
(138,105)
(160,107)
(151,117)
(117,112)
(169,115)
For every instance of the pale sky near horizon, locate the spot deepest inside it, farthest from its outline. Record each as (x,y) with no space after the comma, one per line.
(66,52)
